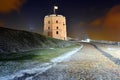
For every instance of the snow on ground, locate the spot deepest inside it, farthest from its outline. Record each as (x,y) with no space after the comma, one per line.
(65,56)
(112,50)
(36,69)
(86,64)
(61,58)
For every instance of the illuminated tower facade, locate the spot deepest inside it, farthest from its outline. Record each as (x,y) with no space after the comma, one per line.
(55,26)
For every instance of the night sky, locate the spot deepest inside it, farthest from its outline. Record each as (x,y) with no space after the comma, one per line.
(99,19)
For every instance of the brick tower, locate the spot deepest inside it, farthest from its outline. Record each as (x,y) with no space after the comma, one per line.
(55,26)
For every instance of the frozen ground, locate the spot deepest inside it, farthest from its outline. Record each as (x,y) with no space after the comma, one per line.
(87,64)
(112,50)
(15,70)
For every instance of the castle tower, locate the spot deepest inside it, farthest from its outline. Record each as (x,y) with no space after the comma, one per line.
(55,26)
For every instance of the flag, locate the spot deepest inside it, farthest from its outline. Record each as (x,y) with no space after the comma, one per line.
(55,7)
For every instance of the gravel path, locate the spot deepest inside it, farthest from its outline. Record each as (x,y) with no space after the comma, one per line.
(87,64)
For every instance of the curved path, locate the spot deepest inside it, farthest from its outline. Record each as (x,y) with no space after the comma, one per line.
(87,64)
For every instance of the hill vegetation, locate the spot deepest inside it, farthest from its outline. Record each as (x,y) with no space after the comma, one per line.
(19,41)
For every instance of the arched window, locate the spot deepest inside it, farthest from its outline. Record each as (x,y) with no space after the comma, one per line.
(56,32)
(48,22)
(57,27)
(56,21)
(48,28)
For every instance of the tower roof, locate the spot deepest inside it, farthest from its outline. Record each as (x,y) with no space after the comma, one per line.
(54,15)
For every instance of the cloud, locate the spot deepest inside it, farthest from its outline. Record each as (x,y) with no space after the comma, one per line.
(108,27)
(7,6)
(96,22)
(112,19)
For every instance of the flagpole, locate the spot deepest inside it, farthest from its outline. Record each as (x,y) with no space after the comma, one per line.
(54,11)
(55,8)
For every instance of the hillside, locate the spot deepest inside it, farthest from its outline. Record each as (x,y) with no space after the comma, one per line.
(18,41)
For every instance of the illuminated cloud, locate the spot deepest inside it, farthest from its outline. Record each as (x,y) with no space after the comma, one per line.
(7,6)
(108,26)
(112,19)
(96,22)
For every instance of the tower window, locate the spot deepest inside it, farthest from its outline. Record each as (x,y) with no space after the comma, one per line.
(63,24)
(56,21)
(48,28)
(48,22)
(56,32)
(57,27)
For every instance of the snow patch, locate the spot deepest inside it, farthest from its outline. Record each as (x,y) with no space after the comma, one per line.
(111,49)
(51,48)
(39,71)
(65,56)
(41,68)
